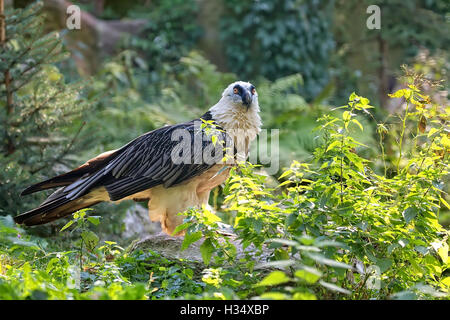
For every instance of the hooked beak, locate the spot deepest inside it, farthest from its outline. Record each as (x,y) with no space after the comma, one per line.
(246,99)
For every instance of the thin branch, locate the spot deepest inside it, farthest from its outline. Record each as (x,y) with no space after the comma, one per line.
(63,153)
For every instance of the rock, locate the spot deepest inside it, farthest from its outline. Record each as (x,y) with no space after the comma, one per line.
(138,224)
(170,247)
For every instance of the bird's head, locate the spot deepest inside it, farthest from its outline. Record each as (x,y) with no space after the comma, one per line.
(238,108)
(241,94)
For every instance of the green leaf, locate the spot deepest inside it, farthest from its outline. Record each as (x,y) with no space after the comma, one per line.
(274,296)
(190,238)
(333,287)
(364,101)
(432,131)
(90,239)
(257,225)
(329,262)
(181,227)
(446,282)
(409,214)
(67,225)
(273,279)
(310,275)
(347,115)
(189,273)
(207,249)
(445,203)
(333,145)
(286,173)
(291,218)
(353,96)
(304,296)
(356,160)
(95,220)
(209,216)
(400,93)
(443,252)
(384,264)
(359,124)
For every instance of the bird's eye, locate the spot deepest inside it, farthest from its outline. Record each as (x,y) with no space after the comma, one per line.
(253,90)
(235,90)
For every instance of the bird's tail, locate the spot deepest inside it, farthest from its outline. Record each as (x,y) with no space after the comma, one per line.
(56,206)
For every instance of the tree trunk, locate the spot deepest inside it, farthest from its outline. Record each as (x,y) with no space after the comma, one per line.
(6,78)
(383,87)
(97,37)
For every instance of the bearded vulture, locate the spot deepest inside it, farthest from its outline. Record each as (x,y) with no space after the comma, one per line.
(145,169)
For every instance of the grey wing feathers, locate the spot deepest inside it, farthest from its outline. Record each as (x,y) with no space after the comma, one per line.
(143,163)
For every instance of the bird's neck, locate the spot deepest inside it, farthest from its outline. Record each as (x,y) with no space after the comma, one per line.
(232,118)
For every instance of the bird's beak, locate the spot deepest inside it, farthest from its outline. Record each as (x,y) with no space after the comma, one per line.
(246,99)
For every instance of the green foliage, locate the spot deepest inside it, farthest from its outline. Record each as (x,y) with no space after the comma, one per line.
(428,28)
(170,34)
(274,39)
(199,81)
(122,110)
(36,104)
(204,225)
(352,218)
(88,239)
(337,228)
(28,270)
(361,53)
(333,228)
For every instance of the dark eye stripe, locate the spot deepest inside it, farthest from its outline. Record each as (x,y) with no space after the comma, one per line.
(239,88)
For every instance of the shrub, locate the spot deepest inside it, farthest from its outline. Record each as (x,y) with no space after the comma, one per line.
(35,107)
(337,229)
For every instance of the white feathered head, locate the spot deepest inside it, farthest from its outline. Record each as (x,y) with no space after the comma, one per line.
(238,109)
(241,94)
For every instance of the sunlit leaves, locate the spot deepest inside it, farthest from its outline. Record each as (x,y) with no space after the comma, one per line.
(333,145)
(358,124)
(274,278)
(329,262)
(333,287)
(207,249)
(406,93)
(308,274)
(90,239)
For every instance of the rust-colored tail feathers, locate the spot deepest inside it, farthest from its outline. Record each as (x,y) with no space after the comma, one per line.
(59,204)
(55,207)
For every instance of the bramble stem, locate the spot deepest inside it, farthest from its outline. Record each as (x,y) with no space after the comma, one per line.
(401,137)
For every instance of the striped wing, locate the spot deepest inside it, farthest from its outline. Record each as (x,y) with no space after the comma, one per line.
(147,162)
